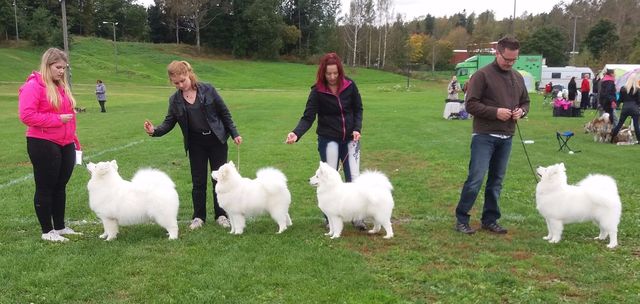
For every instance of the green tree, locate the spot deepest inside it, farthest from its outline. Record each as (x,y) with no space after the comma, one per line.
(429,24)
(290,37)
(41,31)
(635,53)
(316,20)
(258,29)
(601,38)
(548,41)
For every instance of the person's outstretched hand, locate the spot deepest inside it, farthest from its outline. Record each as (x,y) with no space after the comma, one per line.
(291,138)
(148,127)
(238,140)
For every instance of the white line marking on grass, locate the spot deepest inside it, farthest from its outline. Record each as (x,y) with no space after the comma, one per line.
(114,149)
(16,181)
(30,176)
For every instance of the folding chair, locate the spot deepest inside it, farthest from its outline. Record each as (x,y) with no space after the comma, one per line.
(563,140)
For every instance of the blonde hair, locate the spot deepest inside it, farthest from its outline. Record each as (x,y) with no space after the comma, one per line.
(51,56)
(180,68)
(633,83)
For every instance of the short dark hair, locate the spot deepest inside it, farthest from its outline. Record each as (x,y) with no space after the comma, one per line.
(508,43)
(609,72)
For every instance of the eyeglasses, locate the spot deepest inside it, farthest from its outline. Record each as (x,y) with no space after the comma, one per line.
(508,60)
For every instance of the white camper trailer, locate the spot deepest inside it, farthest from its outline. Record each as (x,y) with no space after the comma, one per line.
(562,75)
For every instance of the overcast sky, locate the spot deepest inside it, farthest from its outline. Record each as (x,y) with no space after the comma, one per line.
(418,8)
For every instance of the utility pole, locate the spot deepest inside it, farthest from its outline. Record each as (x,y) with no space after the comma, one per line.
(573,47)
(513,20)
(64,27)
(65,39)
(115,47)
(15,15)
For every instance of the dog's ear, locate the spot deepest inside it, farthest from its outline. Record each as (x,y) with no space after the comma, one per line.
(114,164)
(231,163)
(91,167)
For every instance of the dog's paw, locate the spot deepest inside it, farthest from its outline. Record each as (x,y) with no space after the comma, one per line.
(372,231)
(599,238)
(335,236)
(611,246)
(387,236)
(103,236)
(554,241)
(546,238)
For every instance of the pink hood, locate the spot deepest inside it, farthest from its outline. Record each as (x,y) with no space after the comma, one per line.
(42,120)
(322,88)
(608,77)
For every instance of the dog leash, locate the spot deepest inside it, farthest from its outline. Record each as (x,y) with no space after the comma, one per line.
(238,164)
(535,177)
(342,160)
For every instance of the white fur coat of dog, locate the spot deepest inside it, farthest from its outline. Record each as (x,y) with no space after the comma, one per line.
(150,196)
(368,196)
(595,198)
(242,197)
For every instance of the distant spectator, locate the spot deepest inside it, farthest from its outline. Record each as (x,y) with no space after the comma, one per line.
(101,95)
(596,88)
(547,91)
(585,88)
(630,99)
(453,89)
(607,94)
(573,90)
(561,102)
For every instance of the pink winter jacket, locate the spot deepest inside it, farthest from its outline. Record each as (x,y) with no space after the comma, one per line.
(42,120)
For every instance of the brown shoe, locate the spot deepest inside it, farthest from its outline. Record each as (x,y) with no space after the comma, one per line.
(465,228)
(495,228)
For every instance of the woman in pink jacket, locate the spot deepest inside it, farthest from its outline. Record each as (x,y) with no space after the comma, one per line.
(46,107)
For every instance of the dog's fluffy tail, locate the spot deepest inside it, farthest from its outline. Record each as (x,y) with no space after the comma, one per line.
(152,178)
(272,179)
(374,179)
(602,189)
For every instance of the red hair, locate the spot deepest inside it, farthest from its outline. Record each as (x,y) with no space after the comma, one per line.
(326,60)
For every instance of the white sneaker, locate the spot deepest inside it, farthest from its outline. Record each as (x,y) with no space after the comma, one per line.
(67,230)
(52,236)
(196,223)
(223,221)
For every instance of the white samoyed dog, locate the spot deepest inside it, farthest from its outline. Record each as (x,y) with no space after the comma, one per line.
(150,196)
(368,196)
(595,198)
(242,197)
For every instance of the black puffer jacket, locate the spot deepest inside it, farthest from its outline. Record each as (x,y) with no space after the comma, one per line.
(212,105)
(338,115)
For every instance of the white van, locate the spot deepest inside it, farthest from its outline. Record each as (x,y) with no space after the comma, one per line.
(562,75)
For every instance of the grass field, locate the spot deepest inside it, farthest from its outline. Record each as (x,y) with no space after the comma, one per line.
(404,135)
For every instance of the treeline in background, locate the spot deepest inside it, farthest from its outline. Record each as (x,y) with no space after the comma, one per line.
(367,33)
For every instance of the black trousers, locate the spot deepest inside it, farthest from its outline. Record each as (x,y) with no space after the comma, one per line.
(102,108)
(584,101)
(52,169)
(205,151)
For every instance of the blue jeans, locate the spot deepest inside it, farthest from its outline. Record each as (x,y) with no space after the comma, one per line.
(334,152)
(488,153)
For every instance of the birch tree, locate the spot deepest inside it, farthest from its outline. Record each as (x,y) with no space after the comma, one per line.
(354,20)
(385,15)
